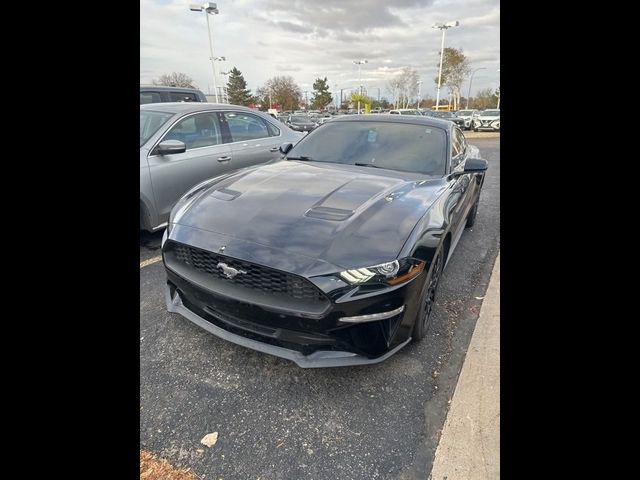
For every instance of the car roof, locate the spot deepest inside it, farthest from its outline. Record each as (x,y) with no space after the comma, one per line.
(410,119)
(188,107)
(164,87)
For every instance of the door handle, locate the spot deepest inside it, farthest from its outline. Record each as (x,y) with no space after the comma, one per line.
(274,149)
(224,159)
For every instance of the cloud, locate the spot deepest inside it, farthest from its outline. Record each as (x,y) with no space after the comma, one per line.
(264,38)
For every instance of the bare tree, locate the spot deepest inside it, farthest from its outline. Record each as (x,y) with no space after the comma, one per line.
(283,91)
(175,79)
(404,87)
(455,69)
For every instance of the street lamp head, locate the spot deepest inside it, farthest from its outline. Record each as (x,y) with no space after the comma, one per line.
(445,26)
(209,8)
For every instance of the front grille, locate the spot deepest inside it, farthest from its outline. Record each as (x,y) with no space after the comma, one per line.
(255,277)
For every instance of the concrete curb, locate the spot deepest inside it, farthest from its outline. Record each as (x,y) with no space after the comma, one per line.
(472,134)
(469,447)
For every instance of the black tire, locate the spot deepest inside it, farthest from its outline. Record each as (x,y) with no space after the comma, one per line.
(471,216)
(427,298)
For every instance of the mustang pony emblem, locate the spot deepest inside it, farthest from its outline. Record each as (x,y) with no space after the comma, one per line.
(229,271)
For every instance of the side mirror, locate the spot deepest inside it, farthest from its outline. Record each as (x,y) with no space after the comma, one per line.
(475,165)
(170,147)
(285,147)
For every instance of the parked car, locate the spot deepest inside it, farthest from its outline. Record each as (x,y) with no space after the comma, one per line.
(452,117)
(160,94)
(333,256)
(404,111)
(183,144)
(467,116)
(487,120)
(301,123)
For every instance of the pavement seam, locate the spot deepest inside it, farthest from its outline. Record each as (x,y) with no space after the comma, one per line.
(150,261)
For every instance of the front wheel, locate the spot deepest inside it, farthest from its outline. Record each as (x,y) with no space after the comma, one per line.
(427,299)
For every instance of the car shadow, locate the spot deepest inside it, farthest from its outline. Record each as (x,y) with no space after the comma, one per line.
(151,241)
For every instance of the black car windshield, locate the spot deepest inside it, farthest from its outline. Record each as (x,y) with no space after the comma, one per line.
(490,113)
(150,122)
(395,146)
(465,112)
(445,114)
(301,119)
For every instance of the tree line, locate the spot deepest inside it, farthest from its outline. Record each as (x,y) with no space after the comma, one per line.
(282,93)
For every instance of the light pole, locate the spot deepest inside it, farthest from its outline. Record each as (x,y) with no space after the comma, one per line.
(226,90)
(419,93)
(443,27)
(209,8)
(217,59)
(498,93)
(470,81)
(359,63)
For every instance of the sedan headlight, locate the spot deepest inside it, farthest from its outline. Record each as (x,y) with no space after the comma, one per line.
(390,273)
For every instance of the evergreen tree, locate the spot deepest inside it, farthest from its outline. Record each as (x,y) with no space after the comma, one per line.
(321,95)
(237,89)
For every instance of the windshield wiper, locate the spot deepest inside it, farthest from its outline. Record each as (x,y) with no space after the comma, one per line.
(302,157)
(366,165)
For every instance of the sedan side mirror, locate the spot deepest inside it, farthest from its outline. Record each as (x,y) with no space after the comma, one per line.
(170,147)
(285,147)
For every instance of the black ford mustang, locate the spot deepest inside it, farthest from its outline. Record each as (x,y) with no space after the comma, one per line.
(332,256)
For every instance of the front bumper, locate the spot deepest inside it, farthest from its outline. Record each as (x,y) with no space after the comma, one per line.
(318,359)
(494,126)
(309,335)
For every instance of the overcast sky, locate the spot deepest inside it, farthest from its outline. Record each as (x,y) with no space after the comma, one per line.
(308,39)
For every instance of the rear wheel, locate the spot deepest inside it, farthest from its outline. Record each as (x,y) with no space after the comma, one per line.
(427,298)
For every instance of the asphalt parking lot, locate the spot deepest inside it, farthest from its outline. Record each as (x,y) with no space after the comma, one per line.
(278,421)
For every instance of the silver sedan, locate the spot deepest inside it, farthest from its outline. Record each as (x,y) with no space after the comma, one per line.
(183,144)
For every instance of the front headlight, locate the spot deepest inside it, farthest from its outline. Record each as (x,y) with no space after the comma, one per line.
(390,273)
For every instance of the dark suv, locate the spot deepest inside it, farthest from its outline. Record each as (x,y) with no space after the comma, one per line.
(158,94)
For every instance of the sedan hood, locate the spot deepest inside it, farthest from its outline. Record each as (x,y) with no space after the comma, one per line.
(337,214)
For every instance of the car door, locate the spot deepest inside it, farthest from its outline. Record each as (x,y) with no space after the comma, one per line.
(207,155)
(461,193)
(253,139)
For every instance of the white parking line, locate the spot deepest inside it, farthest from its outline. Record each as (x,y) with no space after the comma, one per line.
(150,261)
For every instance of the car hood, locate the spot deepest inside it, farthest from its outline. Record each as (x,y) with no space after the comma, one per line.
(337,214)
(493,117)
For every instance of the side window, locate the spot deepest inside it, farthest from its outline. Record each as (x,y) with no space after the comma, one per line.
(273,130)
(200,130)
(457,147)
(182,97)
(150,97)
(245,126)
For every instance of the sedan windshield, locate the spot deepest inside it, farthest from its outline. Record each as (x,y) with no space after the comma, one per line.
(150,122)
(490,113)
(465,113)
(300,119)
(394,146)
